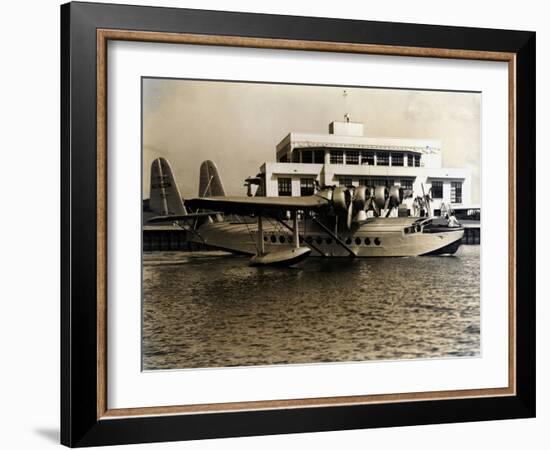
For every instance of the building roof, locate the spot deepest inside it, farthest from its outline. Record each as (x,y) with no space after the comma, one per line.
(309,140)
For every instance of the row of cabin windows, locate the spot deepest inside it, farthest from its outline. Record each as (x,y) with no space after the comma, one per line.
(456,191)
(319,240)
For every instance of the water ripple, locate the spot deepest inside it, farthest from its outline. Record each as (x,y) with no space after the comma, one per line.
(206,311)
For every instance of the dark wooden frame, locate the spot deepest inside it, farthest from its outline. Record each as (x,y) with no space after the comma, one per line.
(85,418)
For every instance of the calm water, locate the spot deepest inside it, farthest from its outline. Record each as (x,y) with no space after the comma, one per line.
(203,310)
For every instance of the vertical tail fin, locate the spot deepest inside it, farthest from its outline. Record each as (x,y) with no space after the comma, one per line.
(165,198)
(210,183)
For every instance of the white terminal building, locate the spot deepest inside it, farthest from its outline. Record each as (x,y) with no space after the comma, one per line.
(345,157)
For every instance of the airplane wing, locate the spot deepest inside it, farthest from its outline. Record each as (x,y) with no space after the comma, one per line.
(180,217)
(251,205)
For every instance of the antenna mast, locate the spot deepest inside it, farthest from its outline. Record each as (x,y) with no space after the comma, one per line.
(346,114)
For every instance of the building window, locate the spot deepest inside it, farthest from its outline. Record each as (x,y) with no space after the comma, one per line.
(306,186)
(285,187)
(283,158)
(352,157)
(337,157)
(456,192)
(295,156)
(380,181)
(307,156)
(407,184)
(413,160)
(345,181)
(382,159)
(397,159)
(437,189)
(319,156)
(367,158)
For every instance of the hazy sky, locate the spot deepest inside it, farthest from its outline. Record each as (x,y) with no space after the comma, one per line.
(238,125)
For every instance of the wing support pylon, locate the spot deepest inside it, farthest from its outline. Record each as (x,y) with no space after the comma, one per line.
(335,237)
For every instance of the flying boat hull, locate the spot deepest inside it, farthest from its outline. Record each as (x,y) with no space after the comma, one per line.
(379,237)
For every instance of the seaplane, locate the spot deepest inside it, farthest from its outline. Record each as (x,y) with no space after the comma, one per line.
(335,221)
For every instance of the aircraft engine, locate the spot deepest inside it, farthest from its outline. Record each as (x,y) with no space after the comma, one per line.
(380,196)
(395,197)
(360,197)
(357,201)
(342,203)
(339,198)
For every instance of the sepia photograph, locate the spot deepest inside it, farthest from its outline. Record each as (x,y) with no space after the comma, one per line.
(272,224)
(306,224)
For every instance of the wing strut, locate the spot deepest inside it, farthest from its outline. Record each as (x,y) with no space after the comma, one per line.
(260,245)
(295,231)
(334,236)
(282,257)
(309,244)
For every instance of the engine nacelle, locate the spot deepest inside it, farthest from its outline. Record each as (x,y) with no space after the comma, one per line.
(360,197)
(340,198)
(380,195)
(395,196)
